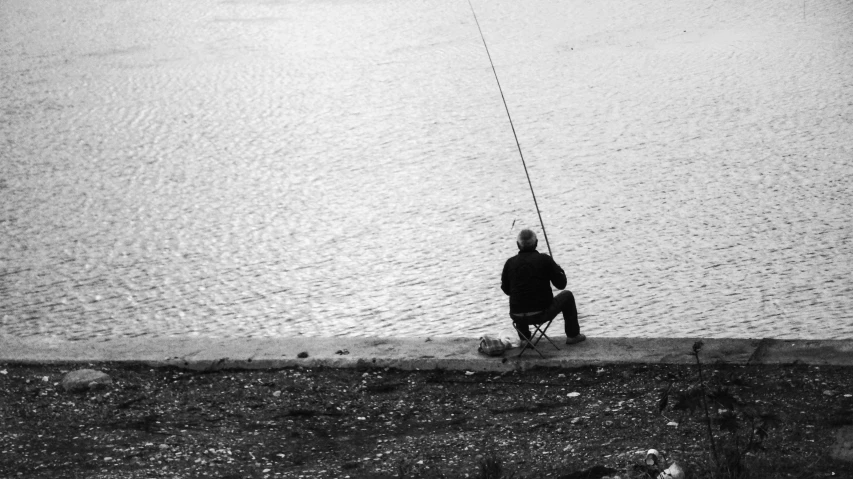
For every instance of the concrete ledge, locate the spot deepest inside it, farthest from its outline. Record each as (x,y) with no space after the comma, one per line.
(414,353)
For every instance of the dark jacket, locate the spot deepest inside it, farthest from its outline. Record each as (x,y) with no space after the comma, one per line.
(527,279)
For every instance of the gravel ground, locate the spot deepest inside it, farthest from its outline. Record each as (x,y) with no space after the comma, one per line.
(338,423)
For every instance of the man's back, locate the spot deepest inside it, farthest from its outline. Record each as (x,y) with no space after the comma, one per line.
(527,279)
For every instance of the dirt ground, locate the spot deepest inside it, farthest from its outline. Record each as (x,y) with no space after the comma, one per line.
(340,423)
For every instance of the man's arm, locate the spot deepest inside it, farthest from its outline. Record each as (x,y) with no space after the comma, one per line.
(558,276)
(505,281)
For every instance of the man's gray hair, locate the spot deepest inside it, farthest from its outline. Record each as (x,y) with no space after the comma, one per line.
(527,240)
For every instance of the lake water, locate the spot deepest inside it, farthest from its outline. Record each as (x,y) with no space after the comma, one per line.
(324,168)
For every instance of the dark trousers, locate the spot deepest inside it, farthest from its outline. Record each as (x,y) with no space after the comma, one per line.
(564,303)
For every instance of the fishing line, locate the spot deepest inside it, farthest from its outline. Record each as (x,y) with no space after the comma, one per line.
(535,203)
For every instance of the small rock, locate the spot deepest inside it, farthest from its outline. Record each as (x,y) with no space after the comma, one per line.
(302,355)
(573,394)
(842,449)
(674,471)
(84,380)
(276,394)
(672,423)
(653,458)
(469,373)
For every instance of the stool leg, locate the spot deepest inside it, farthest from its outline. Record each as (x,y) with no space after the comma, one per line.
(542,331)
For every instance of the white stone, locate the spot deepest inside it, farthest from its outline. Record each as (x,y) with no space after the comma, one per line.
(84,380)
(674,471)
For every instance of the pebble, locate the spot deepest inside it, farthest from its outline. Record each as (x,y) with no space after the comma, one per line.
(85,379)
(573,394)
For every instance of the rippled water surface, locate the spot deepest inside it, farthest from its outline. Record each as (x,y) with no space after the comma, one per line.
(279,168)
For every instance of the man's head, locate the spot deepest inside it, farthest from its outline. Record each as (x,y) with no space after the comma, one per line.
(526,240)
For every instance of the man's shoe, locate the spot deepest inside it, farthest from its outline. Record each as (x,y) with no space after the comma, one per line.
(576,339)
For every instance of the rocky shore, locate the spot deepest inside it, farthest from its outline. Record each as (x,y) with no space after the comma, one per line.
(589,421)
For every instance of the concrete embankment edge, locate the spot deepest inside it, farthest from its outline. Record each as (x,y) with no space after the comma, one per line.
(414,353)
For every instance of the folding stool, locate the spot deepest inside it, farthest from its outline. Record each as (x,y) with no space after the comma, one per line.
(537,321)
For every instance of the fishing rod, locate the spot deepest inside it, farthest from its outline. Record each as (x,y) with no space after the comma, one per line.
(535,203)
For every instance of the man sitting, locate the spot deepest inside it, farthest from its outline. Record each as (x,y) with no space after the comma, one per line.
(527,279)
